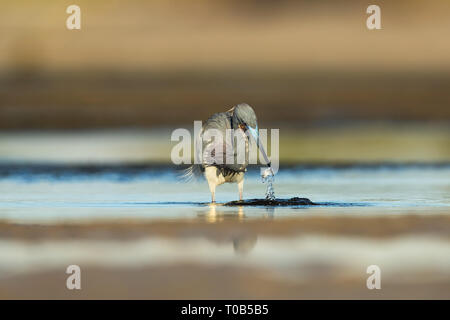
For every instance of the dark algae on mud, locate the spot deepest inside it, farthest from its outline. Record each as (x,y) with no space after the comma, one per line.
(296,201)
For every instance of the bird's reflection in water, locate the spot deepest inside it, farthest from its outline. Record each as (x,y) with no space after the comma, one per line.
(244,243)
(213,215)
(243,240)
(217,213)
(269,213)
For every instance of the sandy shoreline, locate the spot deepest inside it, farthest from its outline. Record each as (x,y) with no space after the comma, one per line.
(199,282)
(231,258)
(226,226)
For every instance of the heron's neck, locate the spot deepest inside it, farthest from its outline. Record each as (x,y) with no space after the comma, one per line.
(233,125)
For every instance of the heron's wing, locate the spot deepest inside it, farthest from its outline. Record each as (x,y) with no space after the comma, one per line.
(213,148)
(221,151)
(219,121)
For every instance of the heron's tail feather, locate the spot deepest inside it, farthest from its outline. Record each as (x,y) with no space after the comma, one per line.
(192,173)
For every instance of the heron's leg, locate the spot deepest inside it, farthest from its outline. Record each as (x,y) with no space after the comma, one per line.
(211,177)
(241,189)
(212,188)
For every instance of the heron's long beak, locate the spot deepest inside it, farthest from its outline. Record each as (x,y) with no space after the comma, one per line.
(255,134)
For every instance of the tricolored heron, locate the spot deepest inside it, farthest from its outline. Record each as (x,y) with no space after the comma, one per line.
(241,119)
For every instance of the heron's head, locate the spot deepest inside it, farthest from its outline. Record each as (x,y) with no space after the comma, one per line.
(244,116)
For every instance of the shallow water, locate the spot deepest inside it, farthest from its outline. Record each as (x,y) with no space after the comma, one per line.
(399,256)
(123,224)
(50,193)
(268,179)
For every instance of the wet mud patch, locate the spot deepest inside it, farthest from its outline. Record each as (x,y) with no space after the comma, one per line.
(292,202)
(296,201)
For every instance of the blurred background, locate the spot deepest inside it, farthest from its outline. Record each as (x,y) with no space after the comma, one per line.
(337,91)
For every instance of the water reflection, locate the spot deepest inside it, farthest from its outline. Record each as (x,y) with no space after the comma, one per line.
(243,240)
(244,243)
(213,215)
